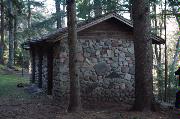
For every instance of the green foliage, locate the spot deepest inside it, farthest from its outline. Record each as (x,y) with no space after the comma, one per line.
(155,1)
(84,9)
(174,2)
(173,83)
(8,86)
(38,28)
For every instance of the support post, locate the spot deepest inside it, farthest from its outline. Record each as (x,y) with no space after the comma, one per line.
(40,57)
(33,64)
(50,69)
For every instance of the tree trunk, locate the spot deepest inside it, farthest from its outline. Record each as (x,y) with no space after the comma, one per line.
(29,15)
(11,35)
(97,7)
(175,59)
(178,43)
(158,58)
(89,12)
(2,34)
(166,59)
(160,74)
(143,56)
(15,38)
(63,16)
(130,9)
(58,13)
(74,101)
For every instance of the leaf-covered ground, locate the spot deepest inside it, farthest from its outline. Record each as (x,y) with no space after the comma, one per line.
(15,103)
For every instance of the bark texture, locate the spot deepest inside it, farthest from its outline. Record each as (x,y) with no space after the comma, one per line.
(74,101)
(97,7)
(58,13)
(143,56)
(29,14)
(11,35)
(2,34)
(15,38)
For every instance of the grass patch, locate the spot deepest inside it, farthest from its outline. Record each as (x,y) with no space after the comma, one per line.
(1,68)
(8,86)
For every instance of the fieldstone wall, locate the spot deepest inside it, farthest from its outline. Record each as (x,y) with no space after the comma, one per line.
(44,72)
(106,69)
(36,68)
(60,71)
(44,69)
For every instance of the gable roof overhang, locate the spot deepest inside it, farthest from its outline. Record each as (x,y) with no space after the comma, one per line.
(63,32)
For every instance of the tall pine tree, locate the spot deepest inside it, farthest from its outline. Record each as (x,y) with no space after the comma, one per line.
(74,101)
(143,56)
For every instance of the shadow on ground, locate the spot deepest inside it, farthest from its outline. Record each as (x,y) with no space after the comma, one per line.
(16,103)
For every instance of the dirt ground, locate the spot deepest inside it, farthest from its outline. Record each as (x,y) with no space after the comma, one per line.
(16,106)
(42,107)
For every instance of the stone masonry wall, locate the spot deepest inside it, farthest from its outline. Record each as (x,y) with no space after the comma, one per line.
(106,69)
(44,72)
(36,68)
(60,71)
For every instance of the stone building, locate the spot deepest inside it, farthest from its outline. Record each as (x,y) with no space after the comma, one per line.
(106,62)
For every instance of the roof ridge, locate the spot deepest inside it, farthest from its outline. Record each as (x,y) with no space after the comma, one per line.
(62,32)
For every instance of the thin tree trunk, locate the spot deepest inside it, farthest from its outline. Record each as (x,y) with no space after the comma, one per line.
(143,56)
(160,74)
(29,25)
(175,59)
(166,59)
(97,7)
(130,9)
(15,38)
(63,16)
(89,10)
(2,34)
(161,71)
(58,13)
(74,101)
(11,35)
(178,42)
(158,57)
(29,14)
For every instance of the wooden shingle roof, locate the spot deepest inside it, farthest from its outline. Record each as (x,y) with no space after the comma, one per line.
(62,32)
